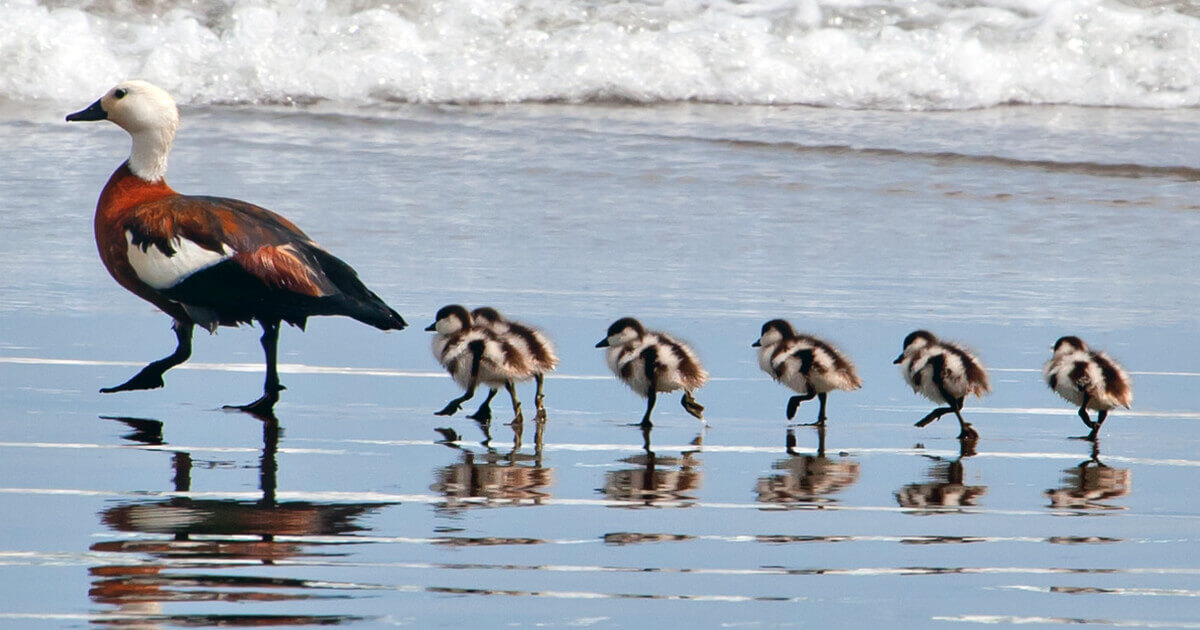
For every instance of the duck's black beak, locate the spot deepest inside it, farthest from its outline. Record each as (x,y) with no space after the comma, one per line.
(898,359)
(431,328)
(756,344)
(603,343)
(93,112)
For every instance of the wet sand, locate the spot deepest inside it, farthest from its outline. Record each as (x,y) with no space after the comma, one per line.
(156,508)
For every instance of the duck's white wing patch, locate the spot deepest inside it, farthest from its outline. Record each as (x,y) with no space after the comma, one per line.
(161,271)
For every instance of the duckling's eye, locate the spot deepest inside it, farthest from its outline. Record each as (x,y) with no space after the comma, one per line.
(120,93)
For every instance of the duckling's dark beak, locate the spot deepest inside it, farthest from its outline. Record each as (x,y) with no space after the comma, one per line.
(431,328)
(94,112)
(898,359)
(603,343)
(756,344)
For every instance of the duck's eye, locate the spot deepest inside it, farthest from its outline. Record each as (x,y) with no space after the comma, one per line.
(120,93)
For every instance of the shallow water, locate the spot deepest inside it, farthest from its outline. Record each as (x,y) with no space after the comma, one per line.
(1002,228)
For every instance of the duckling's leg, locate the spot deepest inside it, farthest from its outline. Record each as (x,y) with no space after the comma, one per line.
(484,413)
(452,407)
(264,406)
(1083,414)
(649,368)
(691,406)
(821,417)
(512,393)
(966,431)
(1100,418)
(933,415)
(150,377)
(540,379)
(651,398)
(794,402)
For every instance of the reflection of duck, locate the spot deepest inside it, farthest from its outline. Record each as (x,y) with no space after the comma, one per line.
(808,478)
(655,478)
(514,478)
(945,487)
(1089,483)
(233,534)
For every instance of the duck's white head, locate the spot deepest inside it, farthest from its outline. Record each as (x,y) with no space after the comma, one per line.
(623,331)
(774,332)
(450,319)
(150,116)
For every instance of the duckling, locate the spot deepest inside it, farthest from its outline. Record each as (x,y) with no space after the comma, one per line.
(529,341)
(807,365)
(1088,378)
(650,362)
(473,355)
(943,372)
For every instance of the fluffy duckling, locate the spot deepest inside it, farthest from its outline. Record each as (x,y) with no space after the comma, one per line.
(809,366)
(943,372)
(473,355)
(1088,378)
(529,341)
(650,362)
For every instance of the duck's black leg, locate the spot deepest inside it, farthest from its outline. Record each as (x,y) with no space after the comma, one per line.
(484,413)
(264,406)
(516,404)
(150,377)
(794,402)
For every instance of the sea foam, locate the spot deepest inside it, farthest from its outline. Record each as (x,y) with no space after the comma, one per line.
(890,54)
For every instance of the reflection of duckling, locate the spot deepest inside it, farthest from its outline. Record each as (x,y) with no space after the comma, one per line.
(807,365)
(1089,379)
(473,355)
(1089,483)
(651,362)
(809,477)
(943,372)
(655,478)
(516,477)
(529,341)
(495,478)
(945,488)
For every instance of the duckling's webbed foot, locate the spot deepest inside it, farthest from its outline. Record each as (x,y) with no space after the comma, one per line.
(794,403)
(968,432)
(691,406)
(484,413)
(933,415)
(450,409)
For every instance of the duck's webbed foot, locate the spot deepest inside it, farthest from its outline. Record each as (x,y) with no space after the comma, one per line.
(263,408)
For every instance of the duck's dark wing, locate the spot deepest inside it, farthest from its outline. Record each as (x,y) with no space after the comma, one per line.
(228,261)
